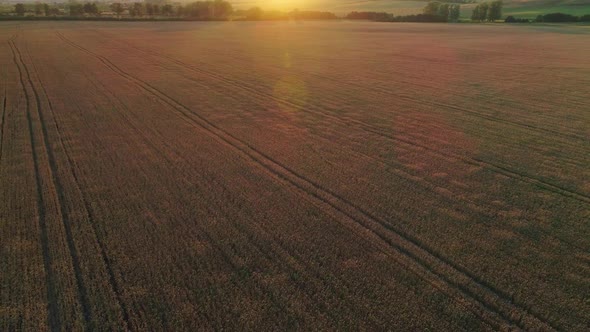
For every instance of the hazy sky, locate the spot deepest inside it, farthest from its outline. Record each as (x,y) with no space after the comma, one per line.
(278,4)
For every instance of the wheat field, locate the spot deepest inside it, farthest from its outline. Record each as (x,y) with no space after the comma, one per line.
(294,176)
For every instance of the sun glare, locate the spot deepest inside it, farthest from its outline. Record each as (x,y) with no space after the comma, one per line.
(283,4)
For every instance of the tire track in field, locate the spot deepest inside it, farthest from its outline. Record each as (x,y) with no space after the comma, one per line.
(4,106)
(560,133)
(234,57)
(53,318)
(407,176)
(428,186)
(291,261)
(261,159)
(368,156)
(384,92)
(491,118)
(65,218)
(381,91)
(284,254)
(493,303)
(88,211)
(505,171)
(281,252)
(299,107)
(227,257)
(474,161)
(2,125)
(486,316)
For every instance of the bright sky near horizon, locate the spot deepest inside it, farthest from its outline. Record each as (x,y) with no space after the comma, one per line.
(337,6)
(274,4)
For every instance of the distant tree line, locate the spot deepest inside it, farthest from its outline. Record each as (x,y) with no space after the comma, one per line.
(370,16)
(562,18)
(138,9)
(433,12)
(257,14)
(39,9)
(512,19)
(551,18)
(206,10)
(487,11)
(311,15)
(388,17)
(421,18)
(450,12)
(78,9)
(199,10)
(458,1)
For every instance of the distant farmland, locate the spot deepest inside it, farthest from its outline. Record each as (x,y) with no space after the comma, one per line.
(283,176)
(519,8)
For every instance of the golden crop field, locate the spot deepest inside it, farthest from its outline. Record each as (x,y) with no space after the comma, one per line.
(294,176)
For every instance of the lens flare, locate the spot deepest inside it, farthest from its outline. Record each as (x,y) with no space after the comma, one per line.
(291,89)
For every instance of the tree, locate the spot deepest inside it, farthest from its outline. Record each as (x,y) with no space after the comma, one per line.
(206,10)
(495,11)
(475,14)
(90,8)
(432,8)
(38,9)
(156,9)
(557,18)
(373,16)
(512,19)
(221,9)
(254,14)
(446,12)
(117,8)
(454,12)
(443,10)
(167,9)
(149,9)
(480,12)
(19,9)
(46,9)
(76,9)
(483,11)
(197,10)
(136,9)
